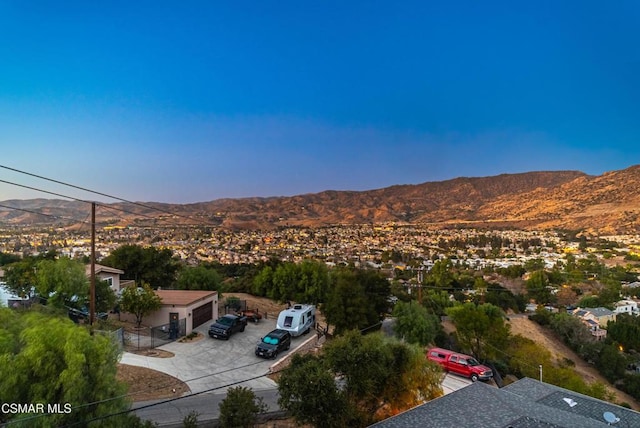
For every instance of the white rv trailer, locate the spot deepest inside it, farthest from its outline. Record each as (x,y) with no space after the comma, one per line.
(298,319)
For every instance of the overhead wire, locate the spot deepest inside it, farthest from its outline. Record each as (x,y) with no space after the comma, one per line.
(165,384)
(40,213)
(170,400)
(175,398)
(112,207)
(97,193)
(196,393)
(44,191)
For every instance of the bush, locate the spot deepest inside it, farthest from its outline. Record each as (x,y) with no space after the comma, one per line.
(240,408)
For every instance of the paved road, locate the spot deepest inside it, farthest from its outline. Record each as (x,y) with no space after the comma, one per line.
(206,405)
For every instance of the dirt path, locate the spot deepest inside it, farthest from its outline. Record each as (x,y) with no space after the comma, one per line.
(529,329)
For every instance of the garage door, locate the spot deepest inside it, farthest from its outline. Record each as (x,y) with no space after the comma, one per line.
(202,314)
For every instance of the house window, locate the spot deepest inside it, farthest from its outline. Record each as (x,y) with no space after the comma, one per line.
(109,281)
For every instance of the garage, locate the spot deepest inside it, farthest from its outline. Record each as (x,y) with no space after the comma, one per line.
(202,314)
(195,307)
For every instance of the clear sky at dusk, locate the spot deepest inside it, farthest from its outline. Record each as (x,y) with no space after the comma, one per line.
(194,101)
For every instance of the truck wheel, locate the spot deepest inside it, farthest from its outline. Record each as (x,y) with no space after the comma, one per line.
(275,355)
(474,377)
(242,328)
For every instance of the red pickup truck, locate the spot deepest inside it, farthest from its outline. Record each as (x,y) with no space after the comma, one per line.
(461,364)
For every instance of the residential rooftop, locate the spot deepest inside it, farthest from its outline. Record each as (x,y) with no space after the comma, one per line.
(526,403)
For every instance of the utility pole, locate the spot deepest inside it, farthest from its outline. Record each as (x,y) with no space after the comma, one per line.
(92,287)
(420,279)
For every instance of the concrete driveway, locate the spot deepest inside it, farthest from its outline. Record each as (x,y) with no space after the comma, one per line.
(212,363)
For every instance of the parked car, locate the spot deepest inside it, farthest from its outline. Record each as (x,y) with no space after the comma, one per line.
(225,326)
(297,320)
(461,364)
(273,343)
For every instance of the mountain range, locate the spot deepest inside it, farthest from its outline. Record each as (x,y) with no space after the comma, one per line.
(607,203)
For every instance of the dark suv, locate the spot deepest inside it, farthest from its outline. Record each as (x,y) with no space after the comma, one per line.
(274,342)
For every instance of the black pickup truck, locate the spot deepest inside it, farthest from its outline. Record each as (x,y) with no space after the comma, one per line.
(225,326)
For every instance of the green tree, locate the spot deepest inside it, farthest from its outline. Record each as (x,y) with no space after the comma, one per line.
(263,283)
(45,359)
(347,306)
(309,393)
(534,265)
(301,282)
(105,297)
(313,282)
(611,362)
(157,267)
(437,301)
(240,408)
(382,376)
(571,330)
(21,277)
(441,274)
(480,330)
(414,323)
(140,301)
(357,299)
(538,287)
(6,258)
(626,331)
(198,278)
(63,282)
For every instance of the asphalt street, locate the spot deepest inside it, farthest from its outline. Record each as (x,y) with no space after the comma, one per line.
(171,414)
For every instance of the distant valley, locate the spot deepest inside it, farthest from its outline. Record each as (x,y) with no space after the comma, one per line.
(607,203)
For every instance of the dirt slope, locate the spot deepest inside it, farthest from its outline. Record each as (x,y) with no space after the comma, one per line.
(527,328)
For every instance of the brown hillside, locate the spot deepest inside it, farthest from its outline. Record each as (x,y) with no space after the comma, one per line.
(541,200)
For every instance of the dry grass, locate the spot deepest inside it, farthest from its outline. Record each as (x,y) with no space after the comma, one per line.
(527,328)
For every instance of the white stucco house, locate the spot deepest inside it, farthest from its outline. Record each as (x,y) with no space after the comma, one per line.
(629,307)
(107,273)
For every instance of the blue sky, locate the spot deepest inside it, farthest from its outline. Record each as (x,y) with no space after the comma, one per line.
(168,102)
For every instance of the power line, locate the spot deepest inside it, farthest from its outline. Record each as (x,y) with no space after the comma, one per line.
(42,214)
(197,393)
(165,384)
(44,191)
(170,400)
(96,193)
(202,223)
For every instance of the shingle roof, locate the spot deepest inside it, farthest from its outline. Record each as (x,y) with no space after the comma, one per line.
(599,311)
(524,404)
